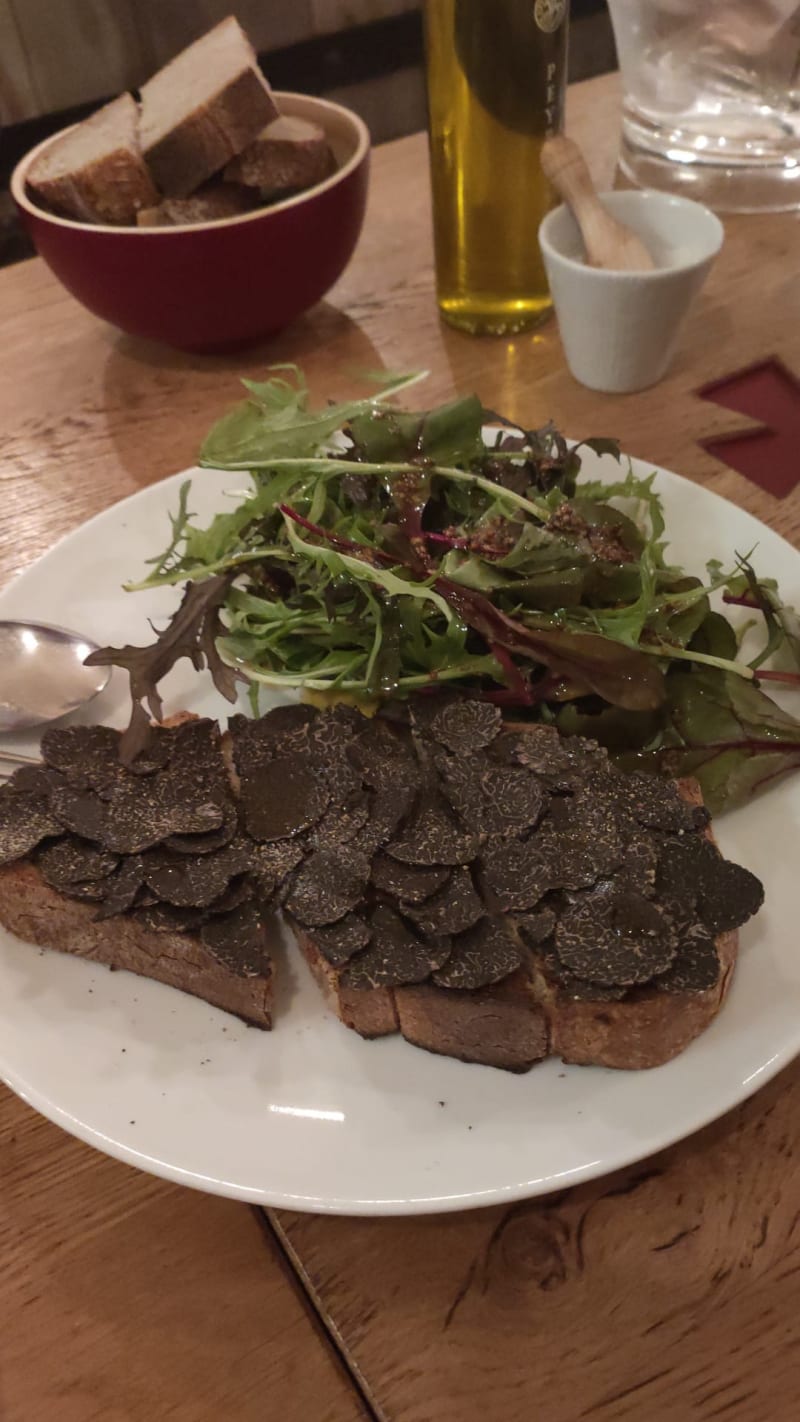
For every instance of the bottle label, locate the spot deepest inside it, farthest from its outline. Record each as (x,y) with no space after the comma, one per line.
(549,14)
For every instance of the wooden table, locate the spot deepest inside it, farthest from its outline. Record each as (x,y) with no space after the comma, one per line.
(667,1293)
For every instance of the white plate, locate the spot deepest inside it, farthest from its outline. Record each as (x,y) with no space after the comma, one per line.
(309,1116)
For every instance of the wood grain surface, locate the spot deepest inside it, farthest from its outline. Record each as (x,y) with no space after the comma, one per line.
(670,1293)
(125,1299)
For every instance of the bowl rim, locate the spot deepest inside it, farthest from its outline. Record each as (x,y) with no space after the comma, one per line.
(638,197)
(18,183)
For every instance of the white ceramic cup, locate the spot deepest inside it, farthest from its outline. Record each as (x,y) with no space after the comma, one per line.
(619,329)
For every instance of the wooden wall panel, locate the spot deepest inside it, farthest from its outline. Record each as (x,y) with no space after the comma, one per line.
(56,53)
(166,26)
(78,50)
(17,94)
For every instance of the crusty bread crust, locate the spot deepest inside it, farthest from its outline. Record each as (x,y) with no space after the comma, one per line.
(274,163)
(35,912)
(110,187)
(209,204)
(208,137)
(371,1014)
(500,1026)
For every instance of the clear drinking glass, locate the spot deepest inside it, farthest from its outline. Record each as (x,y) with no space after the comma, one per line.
(712,99)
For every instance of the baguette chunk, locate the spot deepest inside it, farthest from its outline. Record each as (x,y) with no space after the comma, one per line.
(289,154)
(96,172)
(203,108)
(211,203)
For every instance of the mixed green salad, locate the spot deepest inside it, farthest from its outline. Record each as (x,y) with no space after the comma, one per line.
(380,552)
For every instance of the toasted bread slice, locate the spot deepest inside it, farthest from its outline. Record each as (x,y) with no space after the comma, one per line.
(215,200)
(527,1017)
(203,108)
(289,154)
(96,172)
(501,1026)
(35,912)
(371,1014)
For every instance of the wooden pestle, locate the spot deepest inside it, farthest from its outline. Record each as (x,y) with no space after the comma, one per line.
(608,243)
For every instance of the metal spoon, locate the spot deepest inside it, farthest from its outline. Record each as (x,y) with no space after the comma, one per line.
(42,675)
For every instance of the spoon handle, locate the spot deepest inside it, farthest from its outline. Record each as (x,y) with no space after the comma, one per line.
(608,243)
(14,758)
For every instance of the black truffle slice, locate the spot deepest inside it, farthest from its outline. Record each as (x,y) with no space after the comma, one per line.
(512,800)
(654,803)
(87,755)
(122,887)
(395,956)
(639,864)
(25,820)
(696,967)
(536,927)
(81,811)
(613,936)
(146,810)
(452,908)
(281,798)
(465,726)
(74,861)
(339,941)
(328,884)
(332,730)
(515,875)
(210,840)
(692,870)
(484,954)
(384,757)
(727,894)
(461,783)
(284,731)
(340,824)
(271,864)
(563,760)
(579,848)
(387,810)
(432,836)
(410,882)
(576,988)
(34,780)
(168,918)
(188,882)
(237,940)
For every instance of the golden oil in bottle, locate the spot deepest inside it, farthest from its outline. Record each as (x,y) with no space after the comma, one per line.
(496,73)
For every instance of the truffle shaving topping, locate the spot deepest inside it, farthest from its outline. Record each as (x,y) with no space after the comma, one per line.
(327,885)
(339,941)
(396,956)
(484,954)
(281,798)
(614,937)
(237,940)
(430,843)
(451,909)
(409,883)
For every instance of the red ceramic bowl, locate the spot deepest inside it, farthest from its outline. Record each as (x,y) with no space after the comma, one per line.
(216,285)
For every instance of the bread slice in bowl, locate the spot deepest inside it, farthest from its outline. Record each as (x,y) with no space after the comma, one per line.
(203,108)
(291,153)
(96,172)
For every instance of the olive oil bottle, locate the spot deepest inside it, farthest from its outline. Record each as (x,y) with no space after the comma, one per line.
(496,73)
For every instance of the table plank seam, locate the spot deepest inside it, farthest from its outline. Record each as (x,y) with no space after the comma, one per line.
(291,1264)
